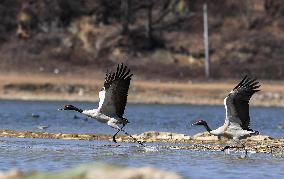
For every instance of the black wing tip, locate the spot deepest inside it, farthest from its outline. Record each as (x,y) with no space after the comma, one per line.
(249,83)
(122,72)
(241,82)
(245,77)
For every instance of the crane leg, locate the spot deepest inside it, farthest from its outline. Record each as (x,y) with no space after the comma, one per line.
(234,147)
(244,147)
(113,137)
(113,125)
(139,142)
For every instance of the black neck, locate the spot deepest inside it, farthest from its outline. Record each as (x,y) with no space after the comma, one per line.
(207,127)
(78,110)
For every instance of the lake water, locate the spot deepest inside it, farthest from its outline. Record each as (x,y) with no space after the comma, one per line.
(50,155)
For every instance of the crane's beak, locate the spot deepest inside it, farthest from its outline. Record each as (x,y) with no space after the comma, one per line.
(194,124)
(198,123)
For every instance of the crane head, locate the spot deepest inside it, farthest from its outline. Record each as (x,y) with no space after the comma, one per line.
(199,123)
(68,107)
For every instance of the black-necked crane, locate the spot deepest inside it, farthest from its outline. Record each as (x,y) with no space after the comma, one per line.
(237,122)
(113,99)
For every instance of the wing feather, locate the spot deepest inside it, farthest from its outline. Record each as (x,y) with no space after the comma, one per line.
(116,88)
(237,102)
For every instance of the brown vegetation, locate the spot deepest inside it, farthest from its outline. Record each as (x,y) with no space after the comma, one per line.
(158,39)
(74,87)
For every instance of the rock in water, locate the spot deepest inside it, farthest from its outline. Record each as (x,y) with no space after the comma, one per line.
(97,171)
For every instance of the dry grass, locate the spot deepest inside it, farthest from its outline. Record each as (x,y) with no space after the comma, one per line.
(85,88)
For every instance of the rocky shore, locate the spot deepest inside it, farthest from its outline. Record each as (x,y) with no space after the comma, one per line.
(201,141)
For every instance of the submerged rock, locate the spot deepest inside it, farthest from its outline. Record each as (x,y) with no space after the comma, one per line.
(205,136)
(95,171)
(12,174)
(153,136)
(259,138)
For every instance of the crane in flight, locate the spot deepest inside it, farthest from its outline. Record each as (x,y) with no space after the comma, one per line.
(237,122)
(113,99)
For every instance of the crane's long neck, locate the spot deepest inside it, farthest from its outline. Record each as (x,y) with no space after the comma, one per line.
(77,109)
(207,127)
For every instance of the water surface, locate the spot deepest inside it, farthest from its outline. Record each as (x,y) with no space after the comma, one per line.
(171,118)
(50,155)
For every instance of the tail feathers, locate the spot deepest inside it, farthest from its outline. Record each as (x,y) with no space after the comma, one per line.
(124,121)
(255,133)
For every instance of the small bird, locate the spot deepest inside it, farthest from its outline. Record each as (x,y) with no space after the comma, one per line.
(113,99)
(35,115)
(237,122)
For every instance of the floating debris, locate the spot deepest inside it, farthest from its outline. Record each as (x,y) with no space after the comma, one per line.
(42,127)
(151,149)
(280,126)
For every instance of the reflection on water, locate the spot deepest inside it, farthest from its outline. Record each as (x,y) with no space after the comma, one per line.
(47,154)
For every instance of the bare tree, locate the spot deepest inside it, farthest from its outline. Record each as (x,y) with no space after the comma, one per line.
(125,12)
(149,28)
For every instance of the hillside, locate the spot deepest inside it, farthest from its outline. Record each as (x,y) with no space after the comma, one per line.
(160,39)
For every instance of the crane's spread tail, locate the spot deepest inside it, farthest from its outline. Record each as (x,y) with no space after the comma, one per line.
(255,133)
(124,121)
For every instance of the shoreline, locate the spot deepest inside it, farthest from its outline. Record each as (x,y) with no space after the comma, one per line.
(137,100)
(50,87)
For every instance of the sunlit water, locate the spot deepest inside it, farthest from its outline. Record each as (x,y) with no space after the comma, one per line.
(50,155)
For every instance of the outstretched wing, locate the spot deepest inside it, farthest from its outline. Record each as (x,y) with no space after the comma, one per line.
(113,96)
(237,102)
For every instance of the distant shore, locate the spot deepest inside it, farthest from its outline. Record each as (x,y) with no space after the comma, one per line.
(82,88)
